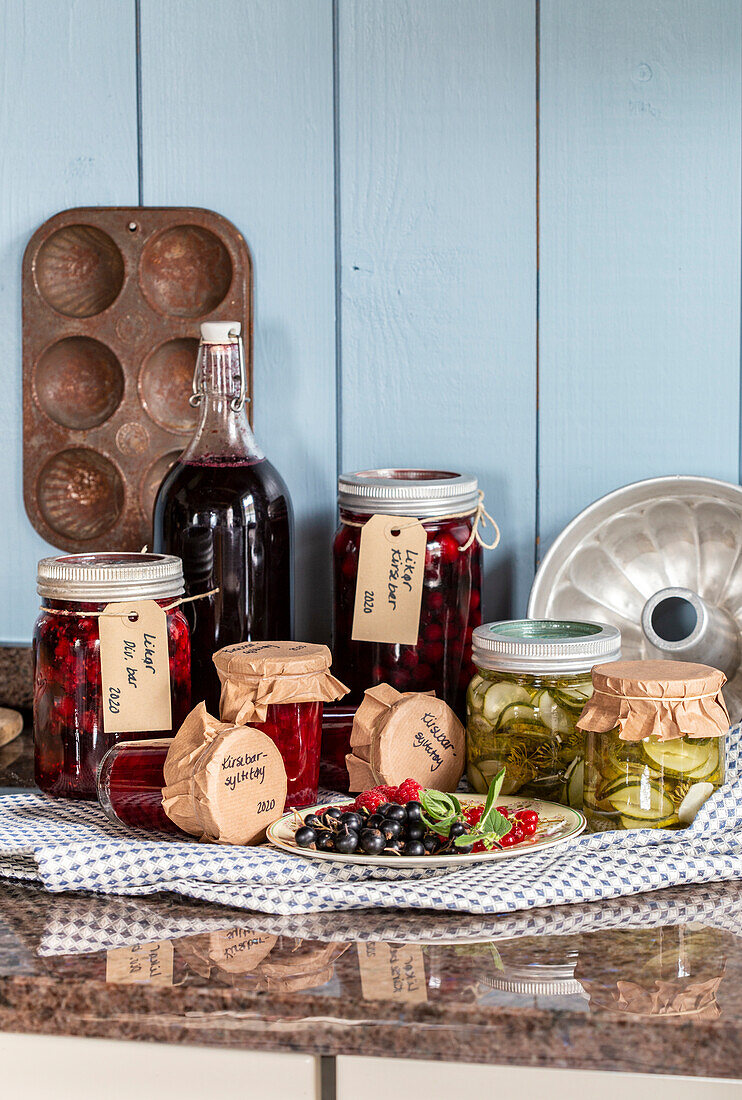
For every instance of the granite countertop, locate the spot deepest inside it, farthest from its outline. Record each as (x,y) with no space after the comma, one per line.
(645,984)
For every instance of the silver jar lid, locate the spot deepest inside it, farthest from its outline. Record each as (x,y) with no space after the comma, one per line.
(105,577)
(423,493)
(548,646)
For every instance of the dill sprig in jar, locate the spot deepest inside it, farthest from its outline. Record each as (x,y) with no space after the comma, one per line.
(655,743)
(532,682)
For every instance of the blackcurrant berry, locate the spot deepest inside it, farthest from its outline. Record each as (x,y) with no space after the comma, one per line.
(457,829)
(384,808)
(397,813)
(346,844)
(312,819)
(332,813)
(352,820)
(305,836)
(414,848)
(392,827)
(415,832)
(374,822)
(463,849)
(373,842)
(414,811)
(326,843)
(431,843)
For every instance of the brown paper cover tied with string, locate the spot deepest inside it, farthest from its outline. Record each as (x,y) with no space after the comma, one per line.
(411,735)
(224,783)
(662,699)
(255,675)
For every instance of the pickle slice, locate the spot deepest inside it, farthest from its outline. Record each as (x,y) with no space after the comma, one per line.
(519,712)
(645,801)
(709,766)
(646,823)
(476,779)
(678,757)
(500,696)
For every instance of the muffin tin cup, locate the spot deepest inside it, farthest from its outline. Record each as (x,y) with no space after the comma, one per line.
(113,298)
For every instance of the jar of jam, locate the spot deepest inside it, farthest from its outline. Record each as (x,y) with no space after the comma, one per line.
(655,743)
(532,681)
(448,507)
(70,735)
(280,688)
(204,782)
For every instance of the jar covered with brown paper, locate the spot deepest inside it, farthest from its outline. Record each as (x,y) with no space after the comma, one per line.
(280,688)
(655,743)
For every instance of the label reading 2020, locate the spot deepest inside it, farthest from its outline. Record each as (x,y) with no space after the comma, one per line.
(135,667)
(389,587)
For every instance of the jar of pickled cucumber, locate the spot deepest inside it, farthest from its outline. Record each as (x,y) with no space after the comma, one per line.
(532,681)
(654,743)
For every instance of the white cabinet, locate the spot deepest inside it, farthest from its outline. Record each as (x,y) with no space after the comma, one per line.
(36,1067)
(371,1078)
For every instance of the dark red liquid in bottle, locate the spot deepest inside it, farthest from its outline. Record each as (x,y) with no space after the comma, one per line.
(230,521)
(130,783)
(225,510)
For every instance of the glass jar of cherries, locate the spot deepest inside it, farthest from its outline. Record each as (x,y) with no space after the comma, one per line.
(447,505)
(70,734)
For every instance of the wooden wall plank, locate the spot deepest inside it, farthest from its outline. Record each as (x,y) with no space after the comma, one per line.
(438,248)
(237,99)
(67,138)
(639,246)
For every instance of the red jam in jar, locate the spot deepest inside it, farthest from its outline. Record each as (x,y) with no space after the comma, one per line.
(69,738)
(296,731)
(446,504)
(130,784)
(280,688)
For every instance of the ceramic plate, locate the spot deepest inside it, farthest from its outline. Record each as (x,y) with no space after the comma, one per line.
(557,824)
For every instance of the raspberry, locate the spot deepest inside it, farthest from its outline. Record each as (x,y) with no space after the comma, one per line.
(372,799)
(409,791)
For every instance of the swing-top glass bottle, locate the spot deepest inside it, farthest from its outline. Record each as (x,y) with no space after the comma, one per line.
(226,511)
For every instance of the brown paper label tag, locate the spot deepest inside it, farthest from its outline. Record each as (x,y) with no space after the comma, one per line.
(392,972)
(135,668)
(391,567)
(238,950)
(147,963)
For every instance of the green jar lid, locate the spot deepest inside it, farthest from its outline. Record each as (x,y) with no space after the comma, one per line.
(547,646)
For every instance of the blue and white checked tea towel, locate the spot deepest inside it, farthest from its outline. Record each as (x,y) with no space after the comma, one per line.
(72,846)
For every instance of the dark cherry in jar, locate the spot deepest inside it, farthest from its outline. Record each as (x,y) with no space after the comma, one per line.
(69,738)
(450,608)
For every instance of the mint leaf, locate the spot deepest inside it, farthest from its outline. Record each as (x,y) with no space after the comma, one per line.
(436,804)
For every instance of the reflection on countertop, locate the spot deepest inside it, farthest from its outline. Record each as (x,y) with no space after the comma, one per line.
(650,983)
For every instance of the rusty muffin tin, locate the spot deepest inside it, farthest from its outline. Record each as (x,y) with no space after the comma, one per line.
(112,302)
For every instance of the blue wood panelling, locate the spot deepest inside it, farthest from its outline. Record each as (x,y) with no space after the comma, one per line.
(406,136)
(438,249)
(68,137)
(639,246)
(237,106)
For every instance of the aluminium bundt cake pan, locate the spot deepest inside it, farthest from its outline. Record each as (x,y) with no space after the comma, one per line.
(661,560)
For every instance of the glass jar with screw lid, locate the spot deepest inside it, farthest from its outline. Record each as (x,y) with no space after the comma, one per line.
(532,681)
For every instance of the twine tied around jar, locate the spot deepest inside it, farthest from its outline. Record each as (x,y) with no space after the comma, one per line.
(480,514)
(132,616)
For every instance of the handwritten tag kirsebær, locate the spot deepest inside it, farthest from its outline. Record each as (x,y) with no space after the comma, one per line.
(135,667)
(145,963)
(391,566)
(392,972)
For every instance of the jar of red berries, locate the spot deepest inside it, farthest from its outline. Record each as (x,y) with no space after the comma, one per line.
(76,717)
(446,509)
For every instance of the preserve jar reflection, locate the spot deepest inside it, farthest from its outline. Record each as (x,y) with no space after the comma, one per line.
(440,660)
(69,739)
